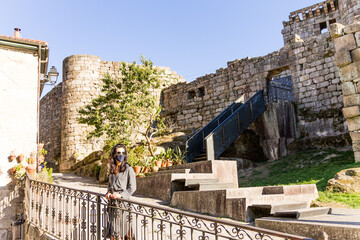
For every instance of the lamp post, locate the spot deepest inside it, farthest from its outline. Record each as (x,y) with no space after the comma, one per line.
(52,75)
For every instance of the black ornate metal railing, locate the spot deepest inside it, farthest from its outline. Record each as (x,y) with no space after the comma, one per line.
(226,133)
(196,144)
(280,89)
(67,213)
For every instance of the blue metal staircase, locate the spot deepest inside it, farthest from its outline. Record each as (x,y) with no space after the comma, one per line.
(213,139)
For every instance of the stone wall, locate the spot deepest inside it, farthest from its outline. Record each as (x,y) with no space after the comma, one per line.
(347,58)
(50,125)
(349,9)
(308,56)
(315,78)
(81,83)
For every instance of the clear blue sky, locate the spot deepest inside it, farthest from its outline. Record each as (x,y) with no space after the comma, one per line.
(193,37)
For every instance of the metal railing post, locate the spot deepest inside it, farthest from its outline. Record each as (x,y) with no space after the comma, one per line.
(210,151)
(98,217)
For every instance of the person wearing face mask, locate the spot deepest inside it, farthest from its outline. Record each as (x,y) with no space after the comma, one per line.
(122,184)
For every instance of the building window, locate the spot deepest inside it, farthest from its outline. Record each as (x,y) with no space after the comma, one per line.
(191,94)
(324,26)
(201,92)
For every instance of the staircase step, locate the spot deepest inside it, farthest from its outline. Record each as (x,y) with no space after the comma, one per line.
(189,182)
(211,186)
(282,206)
(197,159)
(303,213)
(185,171)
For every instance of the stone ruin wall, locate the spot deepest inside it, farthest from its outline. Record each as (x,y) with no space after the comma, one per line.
(315,78)
(347,58)
(308,22)
(81,83)
(308,56)
(50,125)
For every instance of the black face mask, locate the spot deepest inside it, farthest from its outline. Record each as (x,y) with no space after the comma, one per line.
(120,157)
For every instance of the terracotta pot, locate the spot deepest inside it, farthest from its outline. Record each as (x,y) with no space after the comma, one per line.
(20,158)
(145,169)
(158,164)
(13,170)
(137,169)
(169,163)
(155,168)
(31,171)
(163,164)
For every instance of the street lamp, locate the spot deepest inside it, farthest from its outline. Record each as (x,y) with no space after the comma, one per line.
(52,76)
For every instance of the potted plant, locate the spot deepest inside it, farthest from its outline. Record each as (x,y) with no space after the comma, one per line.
(20,158)
(31,170)
(137,169)
(157,162)
(168,155)
(179,157)
(13,170)
(12,156)
(42,154)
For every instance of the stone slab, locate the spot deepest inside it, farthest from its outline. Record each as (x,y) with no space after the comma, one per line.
(346,42)
(340,224)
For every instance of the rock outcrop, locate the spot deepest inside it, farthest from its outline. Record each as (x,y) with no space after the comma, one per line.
(345,181)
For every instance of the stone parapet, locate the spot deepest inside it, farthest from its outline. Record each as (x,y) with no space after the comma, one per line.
(347,47)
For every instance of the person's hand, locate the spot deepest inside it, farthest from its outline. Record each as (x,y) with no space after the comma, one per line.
(108,196)
(116,196)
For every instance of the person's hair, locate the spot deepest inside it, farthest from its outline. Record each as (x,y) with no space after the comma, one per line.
(114,169)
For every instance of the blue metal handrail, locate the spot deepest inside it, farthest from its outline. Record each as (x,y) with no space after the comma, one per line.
(231,128)
(196,144)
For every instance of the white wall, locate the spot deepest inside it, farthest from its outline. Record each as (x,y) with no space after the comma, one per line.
(18,105)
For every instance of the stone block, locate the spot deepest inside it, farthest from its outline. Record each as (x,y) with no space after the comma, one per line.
(355,55)
(350,112)
(349,72)
(352,100)
(356,146)
(336,30)
(348,88)
(352,28)
(346,42)
(357,156)
(355,136)
(353,124)
(342,58)
(357,38)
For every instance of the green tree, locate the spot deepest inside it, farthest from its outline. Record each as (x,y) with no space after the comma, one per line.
(127,104)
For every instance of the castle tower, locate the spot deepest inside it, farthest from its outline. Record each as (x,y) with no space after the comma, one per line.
(81,74)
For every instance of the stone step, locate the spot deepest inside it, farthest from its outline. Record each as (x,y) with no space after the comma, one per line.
(195,181)
(198,159)
(170,171)
(303,213)
(211,186)
(280,206)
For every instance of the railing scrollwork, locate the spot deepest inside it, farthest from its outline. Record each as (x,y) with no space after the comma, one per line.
(68,213)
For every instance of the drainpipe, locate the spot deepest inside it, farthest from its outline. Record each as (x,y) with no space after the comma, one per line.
(38,109)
